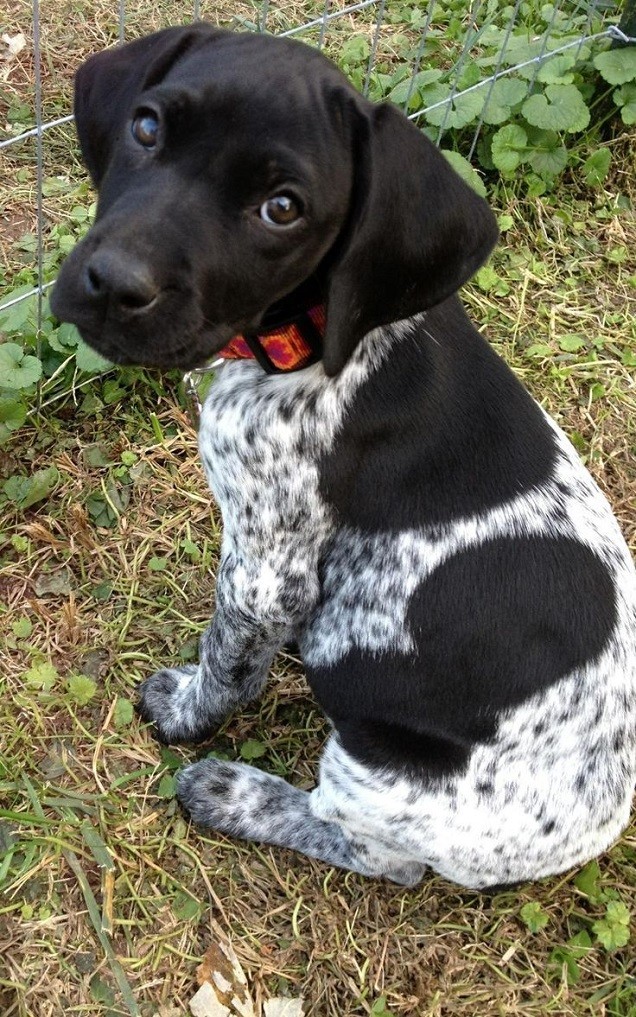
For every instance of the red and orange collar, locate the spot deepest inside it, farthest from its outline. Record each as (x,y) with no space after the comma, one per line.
(282,348)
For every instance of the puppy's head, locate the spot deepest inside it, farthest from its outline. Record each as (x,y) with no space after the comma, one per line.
(237,173)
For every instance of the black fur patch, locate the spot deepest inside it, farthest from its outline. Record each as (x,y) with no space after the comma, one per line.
(443,430)
(491,632)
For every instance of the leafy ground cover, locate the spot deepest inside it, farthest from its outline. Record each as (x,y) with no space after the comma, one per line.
(108,549)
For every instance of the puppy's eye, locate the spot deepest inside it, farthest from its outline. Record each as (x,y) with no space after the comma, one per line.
(281,210)
(145,128)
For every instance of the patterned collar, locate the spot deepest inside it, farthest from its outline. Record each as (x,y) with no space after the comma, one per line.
(281,349)
(285,347)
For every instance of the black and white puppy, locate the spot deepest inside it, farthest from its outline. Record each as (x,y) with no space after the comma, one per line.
(462,597)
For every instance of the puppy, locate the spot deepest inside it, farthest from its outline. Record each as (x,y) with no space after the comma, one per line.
(392,497)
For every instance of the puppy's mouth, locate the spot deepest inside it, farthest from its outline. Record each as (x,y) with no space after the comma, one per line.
(156,338)
(187,350)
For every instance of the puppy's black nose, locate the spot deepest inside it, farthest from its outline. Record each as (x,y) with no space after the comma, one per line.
(120,280)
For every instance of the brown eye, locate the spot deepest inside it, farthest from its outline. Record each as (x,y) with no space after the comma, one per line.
(281,210)
(145,128)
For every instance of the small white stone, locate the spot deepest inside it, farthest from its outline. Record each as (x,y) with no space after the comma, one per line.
(281,1006)
(205,1003)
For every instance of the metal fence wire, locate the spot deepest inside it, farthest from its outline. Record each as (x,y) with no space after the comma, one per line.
(363,25)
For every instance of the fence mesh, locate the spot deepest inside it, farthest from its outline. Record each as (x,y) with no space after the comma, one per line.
(361,36)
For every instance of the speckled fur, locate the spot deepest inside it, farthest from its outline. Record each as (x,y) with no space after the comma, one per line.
(550,791)
(462,597)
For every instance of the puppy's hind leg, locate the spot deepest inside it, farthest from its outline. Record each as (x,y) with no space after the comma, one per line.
(239,800)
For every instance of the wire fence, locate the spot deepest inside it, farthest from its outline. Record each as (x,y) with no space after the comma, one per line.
(566,26)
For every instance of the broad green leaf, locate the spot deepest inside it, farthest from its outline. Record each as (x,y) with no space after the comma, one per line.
(625,97)
(112,391)
(186,907)
(464,110)
(66,243)
(539,350)
(81,688)
(533,916)
(355,50)
(64,339)
(570,344)
(15,488)
(379,1008)
(520,48)
(613,931)
(628,357)
(587,881)
(556,69)
(535,185)
(90,361)
(26,491)
(96,455)
(403,91)
(16,317)
(471,75)
(190,549)
(431,95)
(546,153)
(252,749)
(12,415)
(568,955)
(580,944)
(487,278)
(560,108)
(18,369)
(167,786)
(22,628)
(123,713)
(559,957)
(100,511)
(509,147)
(170,758)
(41,676)
(411,86)
(506,93)
(596,166)
(466,171)
(101,991)
(40,486)
(617,66)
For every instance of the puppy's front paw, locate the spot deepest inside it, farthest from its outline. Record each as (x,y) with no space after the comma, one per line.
(170,699)
(207,791)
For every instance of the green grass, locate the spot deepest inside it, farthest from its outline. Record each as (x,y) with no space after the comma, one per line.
(107,894)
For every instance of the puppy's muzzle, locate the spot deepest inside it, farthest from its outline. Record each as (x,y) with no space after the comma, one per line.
(120,284)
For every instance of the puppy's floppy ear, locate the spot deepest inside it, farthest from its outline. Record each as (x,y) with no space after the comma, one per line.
(416,232)
(107,83)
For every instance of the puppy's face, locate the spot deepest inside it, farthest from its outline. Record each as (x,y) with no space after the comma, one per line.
(218,195)
(236,171)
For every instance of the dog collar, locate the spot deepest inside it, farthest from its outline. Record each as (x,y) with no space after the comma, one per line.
(281,349)
(285,347)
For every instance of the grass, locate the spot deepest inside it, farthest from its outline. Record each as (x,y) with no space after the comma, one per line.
(109,898)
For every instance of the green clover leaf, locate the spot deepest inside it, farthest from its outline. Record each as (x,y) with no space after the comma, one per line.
(617,66)
(18,369)
(560,108)
(508,147)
